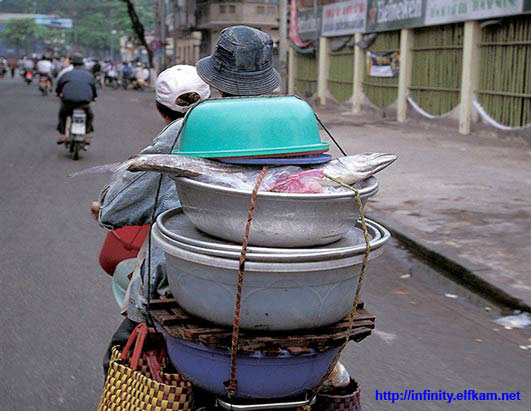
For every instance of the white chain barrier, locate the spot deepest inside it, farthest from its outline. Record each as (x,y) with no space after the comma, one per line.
(424,113)
(485,116)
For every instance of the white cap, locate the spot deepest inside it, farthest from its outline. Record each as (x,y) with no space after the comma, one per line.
(176,81)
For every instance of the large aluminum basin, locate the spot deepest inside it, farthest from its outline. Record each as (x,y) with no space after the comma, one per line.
(280,219)
(276,296)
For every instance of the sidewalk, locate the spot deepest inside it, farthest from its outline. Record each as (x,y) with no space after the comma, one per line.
(464,202)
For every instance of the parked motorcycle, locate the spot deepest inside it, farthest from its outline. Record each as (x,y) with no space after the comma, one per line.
(75,130)
(139,84)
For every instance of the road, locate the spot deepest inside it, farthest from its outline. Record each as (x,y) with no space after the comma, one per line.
(59,313)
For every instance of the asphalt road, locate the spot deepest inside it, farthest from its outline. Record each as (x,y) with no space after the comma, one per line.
(58,312)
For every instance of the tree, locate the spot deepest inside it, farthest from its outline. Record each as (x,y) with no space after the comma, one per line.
(19,33)
(138,28)
(97,24)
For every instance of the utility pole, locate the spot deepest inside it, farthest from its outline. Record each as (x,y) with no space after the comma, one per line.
(163,32)
(176,28)
(283,45)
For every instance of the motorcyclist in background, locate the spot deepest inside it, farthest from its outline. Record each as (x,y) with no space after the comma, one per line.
(45,68)
(28,64)
(127,74)
(77,88)
(96,72)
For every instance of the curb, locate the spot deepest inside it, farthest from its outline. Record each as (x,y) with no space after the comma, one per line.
(451,266)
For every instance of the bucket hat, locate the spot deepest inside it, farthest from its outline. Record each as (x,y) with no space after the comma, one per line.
(242,63)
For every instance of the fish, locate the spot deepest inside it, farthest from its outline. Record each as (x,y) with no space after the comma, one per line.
(348,170)
(183,166)
(355,168)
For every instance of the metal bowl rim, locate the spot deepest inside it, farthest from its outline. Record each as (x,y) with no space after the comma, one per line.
(371,189)
(273,267)
(234,247)
(274,258)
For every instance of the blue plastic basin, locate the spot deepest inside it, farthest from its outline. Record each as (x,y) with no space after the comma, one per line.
(258,376)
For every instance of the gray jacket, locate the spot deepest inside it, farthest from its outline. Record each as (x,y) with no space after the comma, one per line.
(128,201)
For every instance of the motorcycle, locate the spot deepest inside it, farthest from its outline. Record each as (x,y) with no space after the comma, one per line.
(75,130)
(45,85)
(98,77)
(28,77)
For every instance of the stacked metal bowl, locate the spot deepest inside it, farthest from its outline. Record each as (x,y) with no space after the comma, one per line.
(301,272)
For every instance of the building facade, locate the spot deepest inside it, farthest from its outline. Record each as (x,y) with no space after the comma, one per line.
(212,16)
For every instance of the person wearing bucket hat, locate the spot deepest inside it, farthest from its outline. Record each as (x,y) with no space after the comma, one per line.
(128,199)
(241,64)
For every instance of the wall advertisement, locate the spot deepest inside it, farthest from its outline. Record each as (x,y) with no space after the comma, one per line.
(383,64)
(309,26)
(344,18)
(385,15)
(450,11)
(368,16)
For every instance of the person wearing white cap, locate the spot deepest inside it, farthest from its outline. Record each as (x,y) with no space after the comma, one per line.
(128,200)
(178,89)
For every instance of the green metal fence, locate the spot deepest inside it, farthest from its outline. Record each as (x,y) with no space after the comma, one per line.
(505,72)
(383,91)
(306,74)
(341,73)
(437,65)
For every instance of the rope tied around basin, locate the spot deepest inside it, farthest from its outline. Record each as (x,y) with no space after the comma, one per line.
(232,384)
(361,278)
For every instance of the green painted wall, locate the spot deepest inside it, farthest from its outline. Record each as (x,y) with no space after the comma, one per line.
(437,66)
(505,71)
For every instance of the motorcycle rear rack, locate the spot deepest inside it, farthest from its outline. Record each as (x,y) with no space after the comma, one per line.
(264,406)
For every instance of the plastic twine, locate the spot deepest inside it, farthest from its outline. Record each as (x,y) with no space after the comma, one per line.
(232,384)
(361,278)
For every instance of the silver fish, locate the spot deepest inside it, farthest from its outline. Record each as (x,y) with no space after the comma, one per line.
(358,167)
(182,166)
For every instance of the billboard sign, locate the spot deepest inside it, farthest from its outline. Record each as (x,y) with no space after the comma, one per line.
(385,15)
(51,21)
(450,11)
(347,17)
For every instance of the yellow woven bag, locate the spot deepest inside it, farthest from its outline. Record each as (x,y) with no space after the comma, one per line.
(132,385)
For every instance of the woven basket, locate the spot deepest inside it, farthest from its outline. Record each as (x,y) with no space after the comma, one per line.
(347,402)
(128,390)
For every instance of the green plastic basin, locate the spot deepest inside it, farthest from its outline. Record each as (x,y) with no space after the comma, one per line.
(250,127)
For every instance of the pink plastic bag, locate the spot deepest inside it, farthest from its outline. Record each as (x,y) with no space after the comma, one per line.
(306,182)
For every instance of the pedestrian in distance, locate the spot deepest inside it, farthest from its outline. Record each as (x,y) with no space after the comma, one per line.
(12,62)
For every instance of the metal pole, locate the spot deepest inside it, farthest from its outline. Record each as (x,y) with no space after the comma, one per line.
(283,45)
(176,28)
(315,19)
(163,32)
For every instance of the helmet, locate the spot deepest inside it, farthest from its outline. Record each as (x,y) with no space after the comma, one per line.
(77,59)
